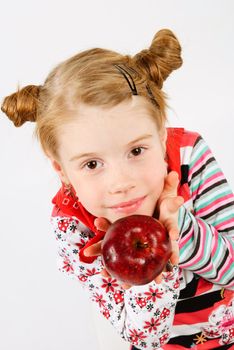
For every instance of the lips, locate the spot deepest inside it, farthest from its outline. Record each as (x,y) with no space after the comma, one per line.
(128,207)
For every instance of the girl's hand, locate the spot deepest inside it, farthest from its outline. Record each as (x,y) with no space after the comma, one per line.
(102,224)
(168,208)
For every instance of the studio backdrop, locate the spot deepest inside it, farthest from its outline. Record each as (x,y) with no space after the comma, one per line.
(40,309)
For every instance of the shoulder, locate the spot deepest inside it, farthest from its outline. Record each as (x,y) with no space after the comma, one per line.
(183,137)
(180,147)
(190,138)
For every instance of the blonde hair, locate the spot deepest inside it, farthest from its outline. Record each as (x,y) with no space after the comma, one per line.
(92,78)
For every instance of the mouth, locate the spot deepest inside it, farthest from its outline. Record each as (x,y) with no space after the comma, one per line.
(128,207)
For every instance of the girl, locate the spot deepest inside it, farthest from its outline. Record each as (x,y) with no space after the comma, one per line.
(101,120)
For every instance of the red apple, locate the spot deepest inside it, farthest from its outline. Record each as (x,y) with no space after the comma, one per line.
(135,249)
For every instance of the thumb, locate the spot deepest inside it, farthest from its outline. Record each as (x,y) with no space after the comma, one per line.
(173,204)
(171,182)
(93,250)
(102,224)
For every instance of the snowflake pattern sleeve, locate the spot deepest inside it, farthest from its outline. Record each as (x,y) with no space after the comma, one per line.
(142,315)
(207,229)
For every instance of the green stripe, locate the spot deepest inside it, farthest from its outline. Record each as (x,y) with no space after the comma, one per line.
(213,261)
(216,254)
(186,225)
(223,219)
(227,275)
(185,246)
(208,238)
(206,177)
(212,198)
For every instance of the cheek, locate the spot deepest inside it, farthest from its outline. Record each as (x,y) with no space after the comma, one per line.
(89,195)
(157,168)
(155,177)
(83,192)
(79,186)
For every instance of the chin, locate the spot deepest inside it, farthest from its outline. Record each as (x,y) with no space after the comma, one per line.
(137,212)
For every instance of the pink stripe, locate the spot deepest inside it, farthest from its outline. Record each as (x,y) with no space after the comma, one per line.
(211,180)
(215,240)
(187,237)
(213,249)
(208,268)
(225,224)
(225,267)
(208,182)
(200,161)
(218,202)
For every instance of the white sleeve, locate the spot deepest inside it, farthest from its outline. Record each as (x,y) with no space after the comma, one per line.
(142,315)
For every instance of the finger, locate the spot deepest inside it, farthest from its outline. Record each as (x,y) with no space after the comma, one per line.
(172,204)
(125,286)
(158,279)
(169,266)
(171,182)
(171,227)
(174,258)
(102,224)
(93,250)
(104,273)
(173,233)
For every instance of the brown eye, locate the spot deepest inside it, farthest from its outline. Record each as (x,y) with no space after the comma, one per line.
(92,164)
(136,151)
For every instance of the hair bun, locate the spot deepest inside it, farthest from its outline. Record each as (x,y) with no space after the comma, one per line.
(21,106)
(162,57)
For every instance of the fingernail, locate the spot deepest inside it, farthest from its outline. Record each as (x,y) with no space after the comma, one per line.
(85,252)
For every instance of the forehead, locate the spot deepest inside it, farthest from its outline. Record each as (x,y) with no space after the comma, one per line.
(93,126)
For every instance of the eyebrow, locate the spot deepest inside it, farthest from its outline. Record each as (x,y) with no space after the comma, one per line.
(92,154)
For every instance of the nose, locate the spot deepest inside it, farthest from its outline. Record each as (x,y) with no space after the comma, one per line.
(120,181)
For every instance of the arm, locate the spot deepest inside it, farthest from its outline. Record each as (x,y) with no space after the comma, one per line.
(207,232)
(142,315)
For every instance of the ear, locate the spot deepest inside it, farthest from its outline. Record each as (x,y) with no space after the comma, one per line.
(59,170)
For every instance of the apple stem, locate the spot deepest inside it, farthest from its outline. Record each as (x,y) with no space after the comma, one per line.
(142,245)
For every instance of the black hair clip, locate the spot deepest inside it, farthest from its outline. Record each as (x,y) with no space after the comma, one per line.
(127,75)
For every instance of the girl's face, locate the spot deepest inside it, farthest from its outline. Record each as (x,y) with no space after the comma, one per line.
(112,157)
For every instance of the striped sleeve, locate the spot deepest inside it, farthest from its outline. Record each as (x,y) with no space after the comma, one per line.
(207,232)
